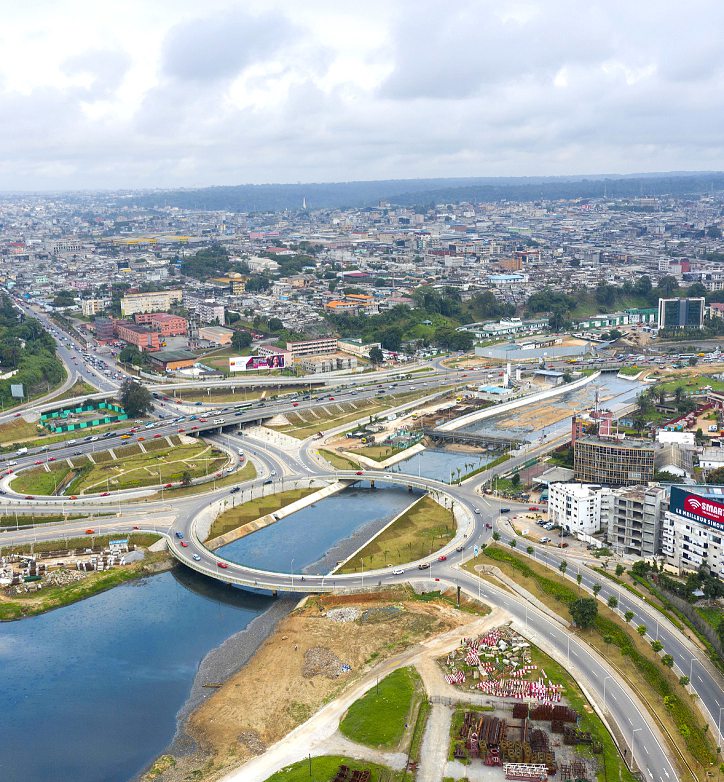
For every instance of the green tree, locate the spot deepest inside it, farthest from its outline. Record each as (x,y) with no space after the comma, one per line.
(275,324)
(392,340)
(563,567)
(240,340)
(530,550)
(657,646)
(620,570)
(612,601)
(513,543)
(496,535)
(135,398)
(667,660)
(628,616)
(376,355)
(641,630)
(579,578)
(584,611)
(515,479)
(186,478)
(596,589)
(683,680)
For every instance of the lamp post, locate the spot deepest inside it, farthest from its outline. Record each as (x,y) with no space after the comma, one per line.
(291,571)
(633,739)
(604,691)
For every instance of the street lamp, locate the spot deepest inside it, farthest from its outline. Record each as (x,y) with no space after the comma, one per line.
(633,739)
(291,571)
(604,691)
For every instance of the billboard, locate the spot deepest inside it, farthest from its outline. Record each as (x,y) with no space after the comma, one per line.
(16,390)
(245,363)
(703,510)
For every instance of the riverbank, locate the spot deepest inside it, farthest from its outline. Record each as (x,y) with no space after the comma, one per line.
(300,666)
(23,606)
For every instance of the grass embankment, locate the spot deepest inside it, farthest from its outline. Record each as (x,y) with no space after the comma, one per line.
(242,394)
(330,415)
(620,644)
(325,768)
(132,468)
(27,520)
(79,388)
(246,473)
(254,509)
(380,718)
(380,453)
(19,432)
(631,371)
(338,461)
(419,531)
(33,603)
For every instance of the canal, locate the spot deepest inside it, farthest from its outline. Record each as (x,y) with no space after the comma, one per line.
(91,692)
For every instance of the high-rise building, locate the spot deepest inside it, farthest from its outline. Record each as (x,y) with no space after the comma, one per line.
(155,301)
(579,508)
(635,519)
(681,313)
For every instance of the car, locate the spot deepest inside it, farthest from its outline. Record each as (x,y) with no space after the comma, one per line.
(140,438)
(273,472)
(268,481)
(181,430)
(38,461)
(222,565)
(397,571)
(17,415)
(105,494)
(77,453)
(184,544)
(73,497)
(90,531)
(156,436)
(505,510)
(488,525)
(28,496)
(51,458)
(197,558)
(135,526)
(460,548)
(167,485)
(331,399)
(194,428)
(359,472)
(563,545)
(533,507)
(423,566)
(544,540)
(179,535)
(442,558)
(295,404)
(476,510)
(203,420)
(125,437)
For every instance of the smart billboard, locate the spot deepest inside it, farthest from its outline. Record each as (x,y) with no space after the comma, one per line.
(245,363)
(703,510)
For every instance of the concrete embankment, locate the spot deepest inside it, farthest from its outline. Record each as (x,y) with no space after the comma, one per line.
(394,459)
(271,518)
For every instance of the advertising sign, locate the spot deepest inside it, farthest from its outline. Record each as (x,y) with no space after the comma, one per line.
(16,390)
(697,508)
(245,363)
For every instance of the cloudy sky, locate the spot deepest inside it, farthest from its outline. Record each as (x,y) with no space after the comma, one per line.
(159,93)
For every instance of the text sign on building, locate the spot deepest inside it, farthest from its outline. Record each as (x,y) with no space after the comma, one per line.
(245,363)
(697,508)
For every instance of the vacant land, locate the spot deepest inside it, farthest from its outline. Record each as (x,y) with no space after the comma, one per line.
(254,509)
(132,468)
(422,529)
(298,669)
(380,717)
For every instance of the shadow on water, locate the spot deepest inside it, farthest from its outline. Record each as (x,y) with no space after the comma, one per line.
(217,592)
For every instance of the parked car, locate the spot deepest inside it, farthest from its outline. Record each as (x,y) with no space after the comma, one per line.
(545,540)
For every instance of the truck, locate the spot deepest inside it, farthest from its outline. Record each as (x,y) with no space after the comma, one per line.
(22,451)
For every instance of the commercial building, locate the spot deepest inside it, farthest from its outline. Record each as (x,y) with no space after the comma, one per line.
(140,336)
(693,529)
(579,508)
(635,520)
(156,301)
(91,307)
(612,462)
(105,329)
(356,347)
(314,365)
(207,310)
(168,360)
(216,334)
(312,347)
(681,313)
(167,325)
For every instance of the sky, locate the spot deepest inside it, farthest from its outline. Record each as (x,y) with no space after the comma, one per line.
(177,93)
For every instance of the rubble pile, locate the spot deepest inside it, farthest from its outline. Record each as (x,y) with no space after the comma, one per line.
(63,577)
(320,661)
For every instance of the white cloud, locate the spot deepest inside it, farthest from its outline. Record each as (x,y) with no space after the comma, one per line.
(176,93)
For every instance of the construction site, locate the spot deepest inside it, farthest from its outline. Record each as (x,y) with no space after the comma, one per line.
(523,730)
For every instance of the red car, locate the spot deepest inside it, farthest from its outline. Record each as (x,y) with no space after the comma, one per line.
(8,472)
(89,532)
(105,494)
(331,399)
(488,526)
(156,435)
(194,428)
(51,458)
(181,429)
(167,485)
(73,497)
(135,527)
(359,472)
(222,565)
(17,415)
(179,402)
(28,496)
(141,438)
(203,420)
(533,507)
(184,544)
(38,461)
(441,558)
(295,404)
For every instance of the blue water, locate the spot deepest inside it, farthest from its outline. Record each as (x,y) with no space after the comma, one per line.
(90,692)
(308,535)
(442,465)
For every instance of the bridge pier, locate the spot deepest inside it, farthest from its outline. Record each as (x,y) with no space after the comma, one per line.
(372,483)
(409,487)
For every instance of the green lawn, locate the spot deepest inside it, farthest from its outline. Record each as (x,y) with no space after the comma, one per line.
(246,473)
(378,719)
(338,461)
(325,768)
(713,616)
(425,527)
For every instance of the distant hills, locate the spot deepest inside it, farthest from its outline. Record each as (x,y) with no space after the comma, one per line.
(424,192)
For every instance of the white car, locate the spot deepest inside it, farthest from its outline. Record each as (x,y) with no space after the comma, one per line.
(476,510)
(196,557)
(397,571)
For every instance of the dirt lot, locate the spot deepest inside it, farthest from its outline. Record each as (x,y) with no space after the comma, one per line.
(272,695)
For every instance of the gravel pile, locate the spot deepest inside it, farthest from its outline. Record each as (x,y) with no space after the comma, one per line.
(343,614)
(64,577)
(381,614)
(320,661)
(252,741)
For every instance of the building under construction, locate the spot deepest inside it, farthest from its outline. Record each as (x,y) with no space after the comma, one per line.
(613,462)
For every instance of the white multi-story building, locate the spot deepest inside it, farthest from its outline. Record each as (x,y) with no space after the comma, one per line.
(153,301)
(91,307)
(580,508)
(693,529)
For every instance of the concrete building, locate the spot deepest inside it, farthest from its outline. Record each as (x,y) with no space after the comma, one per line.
(681,313)
(495,393)
(167,325)
(581,509)
(91,307)
(693,529)
(635,520)
(314,365)
(612,462)
(312,347)
(105,329)
(356,347)
(206,310)
(140,336)
(168,360)
(156,301)
(216,334)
